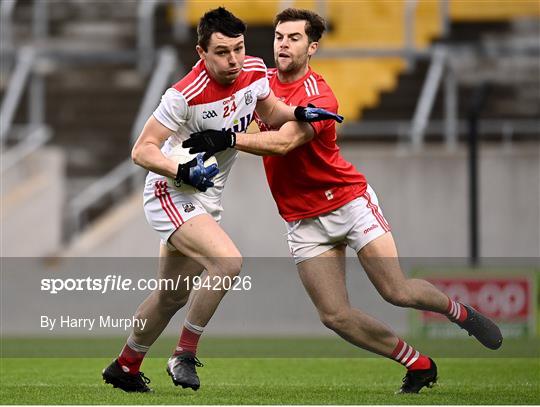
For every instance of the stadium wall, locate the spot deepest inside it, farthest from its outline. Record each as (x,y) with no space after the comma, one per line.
(424,197)
(32,203)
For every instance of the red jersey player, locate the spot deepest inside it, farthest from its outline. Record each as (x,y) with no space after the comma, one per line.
(328,205)
(222,90)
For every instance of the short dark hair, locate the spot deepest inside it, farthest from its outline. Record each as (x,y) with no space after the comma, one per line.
(218,20)
(315,24)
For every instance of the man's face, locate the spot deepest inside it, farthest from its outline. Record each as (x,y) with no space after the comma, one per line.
(224,58)
(291,46)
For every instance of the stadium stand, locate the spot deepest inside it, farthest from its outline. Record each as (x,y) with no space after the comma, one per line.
(90,104)
(381,25)
(514,80)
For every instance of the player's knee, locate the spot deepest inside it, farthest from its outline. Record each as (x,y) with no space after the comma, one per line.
(399,297)
(227,266)
(336,320)
(170,303)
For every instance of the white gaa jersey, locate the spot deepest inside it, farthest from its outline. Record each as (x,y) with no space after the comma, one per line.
(197,102)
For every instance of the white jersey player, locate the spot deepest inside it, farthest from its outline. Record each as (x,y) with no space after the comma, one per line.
(194,104)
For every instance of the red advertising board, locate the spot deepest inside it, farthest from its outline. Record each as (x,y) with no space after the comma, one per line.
(508,300)
(498,298)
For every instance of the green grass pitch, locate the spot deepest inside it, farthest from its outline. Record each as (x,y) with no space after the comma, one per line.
(274,381)
(239,371)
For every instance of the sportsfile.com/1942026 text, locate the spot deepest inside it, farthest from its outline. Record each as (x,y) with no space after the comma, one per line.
(112,282)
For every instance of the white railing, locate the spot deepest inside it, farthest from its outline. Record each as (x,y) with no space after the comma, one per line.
(17,83)
(427,96)
(505,127)
(77,208)
(167,62)
(145,34)
(126,172)
(145,31)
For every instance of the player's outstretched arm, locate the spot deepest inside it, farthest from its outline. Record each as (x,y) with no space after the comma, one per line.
(280,142)
(147,149)
(275,113)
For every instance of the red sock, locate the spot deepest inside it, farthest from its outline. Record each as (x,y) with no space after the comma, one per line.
(130,359)
(456,311)
(189,338)
(410,357)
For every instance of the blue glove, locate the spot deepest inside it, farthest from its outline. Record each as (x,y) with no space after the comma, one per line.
(315,114)
(194,173)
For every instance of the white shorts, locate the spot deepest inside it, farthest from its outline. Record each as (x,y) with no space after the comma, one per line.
(356,224)
(167,209)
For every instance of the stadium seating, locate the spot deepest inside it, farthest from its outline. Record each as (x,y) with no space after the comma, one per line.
(464,10)
(365,24)
(514,82)
(358,83)
(91,104)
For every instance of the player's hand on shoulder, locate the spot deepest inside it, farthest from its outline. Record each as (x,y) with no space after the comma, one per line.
(210,141)
(194,173)
(312,113)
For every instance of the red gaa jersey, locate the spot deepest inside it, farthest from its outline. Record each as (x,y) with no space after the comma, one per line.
(314,178)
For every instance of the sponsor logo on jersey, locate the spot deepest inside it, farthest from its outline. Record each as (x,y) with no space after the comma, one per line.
(240,125)
(329,194)
(208,114)
(188,207)
(228,100)
(248,97)
(369,229)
